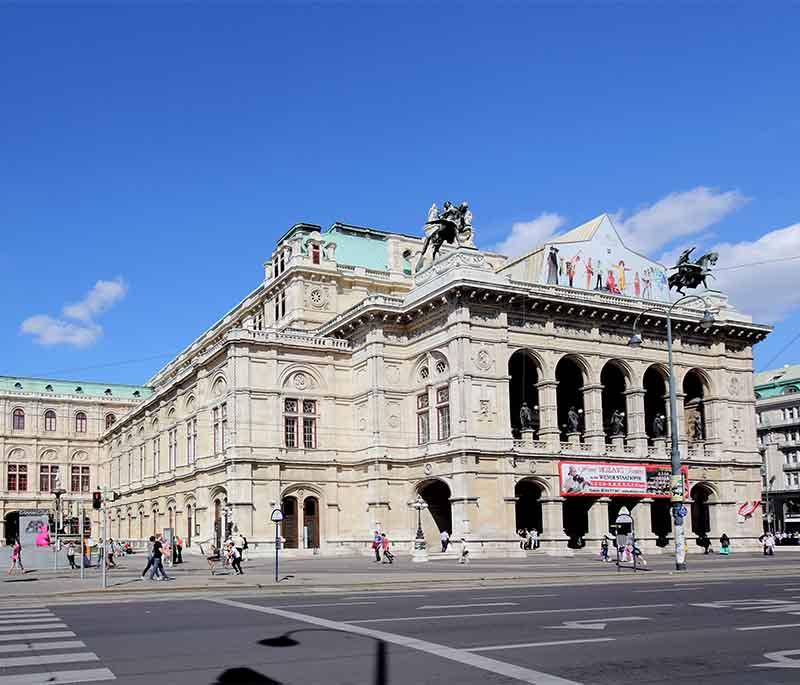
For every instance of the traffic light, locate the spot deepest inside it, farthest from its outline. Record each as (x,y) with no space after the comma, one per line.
(97,499)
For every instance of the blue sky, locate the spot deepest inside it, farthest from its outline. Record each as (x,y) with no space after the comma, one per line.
(161,150)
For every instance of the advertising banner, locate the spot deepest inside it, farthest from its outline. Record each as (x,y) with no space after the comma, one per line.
(616,479)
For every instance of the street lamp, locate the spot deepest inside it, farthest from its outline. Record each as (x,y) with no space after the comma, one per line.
(57,491)
(678,509)
(419,542)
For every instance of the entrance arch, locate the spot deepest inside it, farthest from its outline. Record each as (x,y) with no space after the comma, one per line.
(528,507)
(289,524)
(11,521)
(524,373)
(576,519)
(438,517)
(701,515)
(311,521)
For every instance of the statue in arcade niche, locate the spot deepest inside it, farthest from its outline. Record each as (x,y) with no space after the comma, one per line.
(573,420)
(525,417)
(694,423)
(659,425)
(453,225)
(617,425)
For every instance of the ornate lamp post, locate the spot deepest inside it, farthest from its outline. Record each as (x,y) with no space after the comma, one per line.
(57,491)
(420,553)
(678,509)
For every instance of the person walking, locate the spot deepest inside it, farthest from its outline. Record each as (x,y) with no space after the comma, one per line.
(604,549)
(110,553)
(149,552)
(238,543)
(244,549)
(377,542)
(178,550)
(388,557)
(16,558)
(523,539)
(71,555)
(445,538)
(212,557)
(158,565)
(534,536)
(724,544)
(236,560)
(769,545)
(463,557)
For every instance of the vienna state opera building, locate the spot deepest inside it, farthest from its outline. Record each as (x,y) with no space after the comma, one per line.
(363,372)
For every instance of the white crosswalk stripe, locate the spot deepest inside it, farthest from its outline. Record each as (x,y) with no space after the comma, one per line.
(35,642)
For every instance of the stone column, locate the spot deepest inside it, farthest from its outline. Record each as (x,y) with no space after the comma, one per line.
(593,417)
(637,432)
(598,518)
(548,413)
(643,522)
(553,521)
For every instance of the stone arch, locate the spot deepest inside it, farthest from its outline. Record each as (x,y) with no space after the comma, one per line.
(16,454)
(696,389)
(615,377)
(525,370)
(219,385)
(572,373)
(655,381)
(301,378)
(79,455)
(190,403)
(701,494)
(528,493)
(438,517)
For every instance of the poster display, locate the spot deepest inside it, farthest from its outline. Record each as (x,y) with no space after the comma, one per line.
(617,479)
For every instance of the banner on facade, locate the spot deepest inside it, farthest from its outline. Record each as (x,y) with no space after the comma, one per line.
(615,479)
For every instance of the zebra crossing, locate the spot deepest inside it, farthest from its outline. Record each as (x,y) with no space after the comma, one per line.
(35,643)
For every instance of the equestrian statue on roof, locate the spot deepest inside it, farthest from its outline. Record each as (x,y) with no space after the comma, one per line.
(689,274)
(453,224)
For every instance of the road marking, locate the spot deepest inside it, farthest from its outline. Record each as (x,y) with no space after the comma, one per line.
(27,612)
(9,662)
(331,604)
(16,617)
(43,619)
(519,597)
(780,625)
(668,589)
(596,623)
(461,656)
(468,606)
(501,613)
(36,636)
(59,677)
(37,646)
(540,644)
(41,626)
(781,659)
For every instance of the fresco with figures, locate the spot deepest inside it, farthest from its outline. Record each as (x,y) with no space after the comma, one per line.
(603,263)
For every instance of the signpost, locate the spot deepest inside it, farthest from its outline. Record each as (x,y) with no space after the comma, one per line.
(624,518)
(277,517)
(82,514)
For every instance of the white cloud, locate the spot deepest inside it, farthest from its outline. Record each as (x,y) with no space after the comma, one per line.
(767,292)
(677,215)
(100,298)
(49,331)
(527,235)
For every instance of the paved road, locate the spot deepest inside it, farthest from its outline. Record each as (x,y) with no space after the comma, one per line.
(655,630)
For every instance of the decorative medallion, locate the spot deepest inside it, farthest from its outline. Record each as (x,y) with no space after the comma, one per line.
(300,381)
(483,360)
(532,466)
(429,468)
(317,298)
(394,421)
(734,387)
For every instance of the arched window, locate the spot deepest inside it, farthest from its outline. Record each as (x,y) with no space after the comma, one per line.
(80,422)
(19,420)
(49,420)
(110,420)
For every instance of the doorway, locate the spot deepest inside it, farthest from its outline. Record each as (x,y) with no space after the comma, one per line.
(311,521)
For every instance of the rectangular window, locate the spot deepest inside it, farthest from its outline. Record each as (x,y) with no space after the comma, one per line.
(224,426)
(309,433)
(173,449)
(215,415)
(315,254)
(141,461)
(17,478)
(50,421)
(189,448)
(19,420)
(156,456)
(443,412)
(79,479)
(290,430)
(48,473)
(423,419)
(80,422)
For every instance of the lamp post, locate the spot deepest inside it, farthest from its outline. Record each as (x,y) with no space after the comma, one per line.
(57,491)
(420,553)
(678,509)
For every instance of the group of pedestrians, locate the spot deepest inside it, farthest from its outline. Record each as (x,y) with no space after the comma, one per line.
(155,563)
(768,543)
(233,552)
(724,544)
(529,538)
(381,545)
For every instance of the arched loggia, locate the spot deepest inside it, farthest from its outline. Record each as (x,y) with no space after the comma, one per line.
(438,517)
(701,515)
(523,393)
(694,391)
(528,506)
(569,395)
(655,406)
(612,377)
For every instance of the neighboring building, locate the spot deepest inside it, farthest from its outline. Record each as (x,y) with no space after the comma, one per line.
(347,383)
(50,438)
(778,424)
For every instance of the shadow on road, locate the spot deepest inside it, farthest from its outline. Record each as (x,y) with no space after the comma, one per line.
(244,676)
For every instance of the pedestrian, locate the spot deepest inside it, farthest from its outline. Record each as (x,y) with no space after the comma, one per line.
(149,552)
(724,544)
(523,539)
(16,558)
(178,550)
(534,536)
(704,542)
(100,550)
(71,555)
(377,541)
(238,543)
(244,549)
(236,560)
(637,554)
(158,565)
(212,558)
(87,552)
(463,557)
(769,545)
(110,553)
(445,538)
(604,549)
(388,557)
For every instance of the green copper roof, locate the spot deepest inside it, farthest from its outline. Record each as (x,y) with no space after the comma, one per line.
(772,383)
(360,247)
(56,387)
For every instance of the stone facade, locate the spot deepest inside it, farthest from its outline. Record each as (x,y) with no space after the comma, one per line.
(778,423)
(50,427)
(346,384)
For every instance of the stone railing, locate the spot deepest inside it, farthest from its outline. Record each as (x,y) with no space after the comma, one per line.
(294,338)
(531,445)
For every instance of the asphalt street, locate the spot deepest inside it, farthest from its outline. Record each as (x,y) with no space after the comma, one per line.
(657,629)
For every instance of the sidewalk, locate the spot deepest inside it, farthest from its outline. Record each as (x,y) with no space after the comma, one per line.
(351,574)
